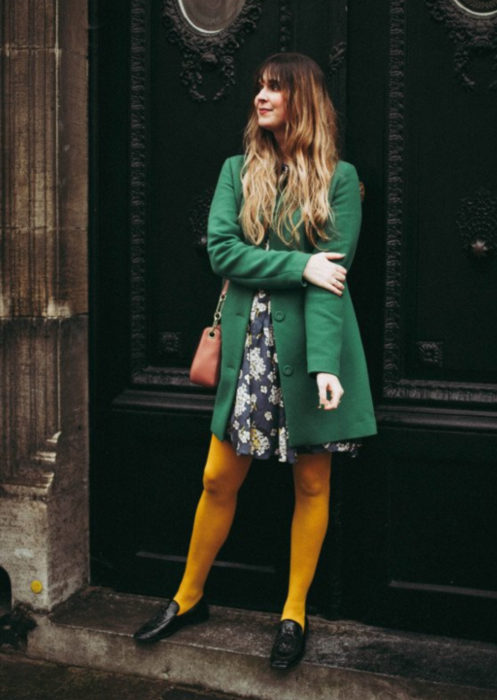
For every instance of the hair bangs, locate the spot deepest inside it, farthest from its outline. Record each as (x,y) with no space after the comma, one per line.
(274,69)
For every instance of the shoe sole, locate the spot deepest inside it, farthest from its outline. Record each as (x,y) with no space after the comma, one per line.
(168,632)
(291,664)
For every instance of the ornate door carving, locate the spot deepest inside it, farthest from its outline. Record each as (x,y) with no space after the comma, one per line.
(432,473)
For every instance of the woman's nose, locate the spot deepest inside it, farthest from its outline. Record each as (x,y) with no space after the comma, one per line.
(261,95)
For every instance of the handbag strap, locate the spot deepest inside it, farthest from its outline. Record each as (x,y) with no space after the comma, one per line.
(220,303)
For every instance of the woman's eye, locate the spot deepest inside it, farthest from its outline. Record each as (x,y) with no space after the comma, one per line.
(274,85)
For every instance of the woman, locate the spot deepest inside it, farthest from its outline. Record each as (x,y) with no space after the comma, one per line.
(280,217)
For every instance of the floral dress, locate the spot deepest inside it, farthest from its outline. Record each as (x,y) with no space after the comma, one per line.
(257,425)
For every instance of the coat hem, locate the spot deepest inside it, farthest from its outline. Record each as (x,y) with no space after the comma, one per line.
(360,435)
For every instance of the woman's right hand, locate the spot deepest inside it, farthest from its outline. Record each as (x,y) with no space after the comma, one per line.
(321,271)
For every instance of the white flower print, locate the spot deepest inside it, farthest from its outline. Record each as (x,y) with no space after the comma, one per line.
(259,441)
(242,398)
(257,364)
(282,444)
(244,435)
(257,425)
(275,395)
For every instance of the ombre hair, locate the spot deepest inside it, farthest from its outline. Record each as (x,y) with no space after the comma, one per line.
(311,149)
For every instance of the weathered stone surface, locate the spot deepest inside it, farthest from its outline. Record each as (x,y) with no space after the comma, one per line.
(23,679)
(25,531)
(73,160)
(73,277)
(43,373)
(44,505)
(44,160)
(29,23)
(43,298)
(29,377)
(344,660)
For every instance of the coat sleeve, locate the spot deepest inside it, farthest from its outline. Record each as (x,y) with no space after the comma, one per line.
(232,257)
(324,310)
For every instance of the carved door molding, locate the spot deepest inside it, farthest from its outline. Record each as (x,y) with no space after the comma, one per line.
(197,52)
(201,52)
(396,385)
(472,28)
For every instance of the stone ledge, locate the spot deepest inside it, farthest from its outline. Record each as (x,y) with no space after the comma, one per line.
(344,660)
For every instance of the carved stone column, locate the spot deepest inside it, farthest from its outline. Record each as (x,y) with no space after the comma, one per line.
(43,299)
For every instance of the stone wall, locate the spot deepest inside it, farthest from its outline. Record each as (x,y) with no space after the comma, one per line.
(43,299)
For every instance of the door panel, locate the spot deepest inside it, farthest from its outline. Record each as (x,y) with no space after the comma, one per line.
(426,497)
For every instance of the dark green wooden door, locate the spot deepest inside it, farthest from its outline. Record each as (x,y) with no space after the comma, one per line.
(413,519)
(421,113)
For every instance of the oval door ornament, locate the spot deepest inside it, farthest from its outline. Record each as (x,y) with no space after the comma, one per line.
(209,33)
(480,8)
(472,27)
(210,16)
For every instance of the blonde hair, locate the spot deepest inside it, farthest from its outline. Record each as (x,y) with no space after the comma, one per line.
(310,144)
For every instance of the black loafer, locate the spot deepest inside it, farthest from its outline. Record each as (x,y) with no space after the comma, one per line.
(289,644)
(167,621)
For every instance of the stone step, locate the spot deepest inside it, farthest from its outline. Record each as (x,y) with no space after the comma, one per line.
(345,660)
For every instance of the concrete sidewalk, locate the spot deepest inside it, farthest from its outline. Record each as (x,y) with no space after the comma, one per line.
(28,679)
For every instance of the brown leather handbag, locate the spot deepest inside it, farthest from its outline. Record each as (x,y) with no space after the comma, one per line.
(206,362)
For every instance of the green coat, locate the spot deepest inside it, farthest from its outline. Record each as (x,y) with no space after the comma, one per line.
(314,329)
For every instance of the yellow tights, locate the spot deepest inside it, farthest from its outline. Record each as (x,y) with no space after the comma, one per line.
(224,473)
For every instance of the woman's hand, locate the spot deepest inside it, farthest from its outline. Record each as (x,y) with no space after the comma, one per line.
(324,273)
(329,389)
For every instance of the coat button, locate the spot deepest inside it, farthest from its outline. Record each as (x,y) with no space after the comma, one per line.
(287,370)
(279,315)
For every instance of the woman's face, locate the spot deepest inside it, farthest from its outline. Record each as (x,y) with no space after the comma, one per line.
(271,105)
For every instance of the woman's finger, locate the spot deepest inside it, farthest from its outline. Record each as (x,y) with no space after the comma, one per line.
(322,391)
(330,397)
(325,394)
(330,391)
(336,397)
(335,400)
(322,395)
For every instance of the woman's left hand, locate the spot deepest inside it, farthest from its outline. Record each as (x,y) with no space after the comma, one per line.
(329,389)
